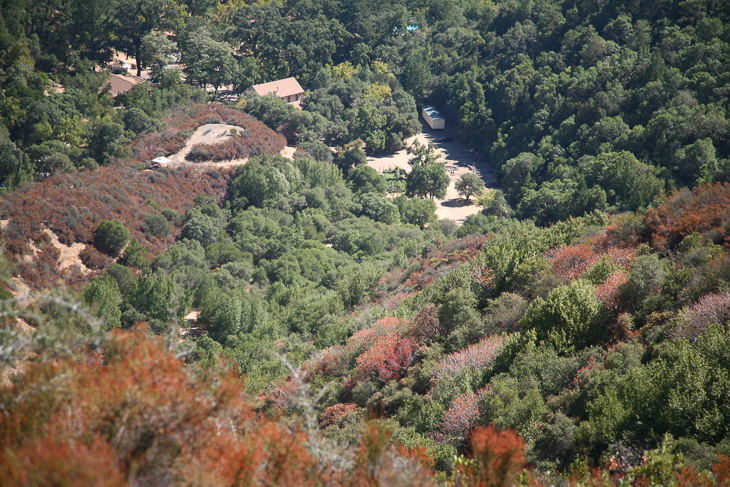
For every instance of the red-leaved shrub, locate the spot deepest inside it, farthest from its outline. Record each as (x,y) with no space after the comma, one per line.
(570,262)
(460,418)
(333,413)
(498,458)
(609,292)
(93,259)
(705,209)
(474,357)
(367,337)
(387,359)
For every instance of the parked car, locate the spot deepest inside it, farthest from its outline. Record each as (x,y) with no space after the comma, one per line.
(444,139)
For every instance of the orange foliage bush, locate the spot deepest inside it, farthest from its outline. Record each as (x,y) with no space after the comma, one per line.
(497,458)
(570,262)
(336,361)
(722,470)
(333,413)
(131,414)
(133,404)
(269,454)
(367,337)
(609,292)
(706,209)
(387,359)
(49,461)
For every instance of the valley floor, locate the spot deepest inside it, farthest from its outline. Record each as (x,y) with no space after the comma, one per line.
(459,158)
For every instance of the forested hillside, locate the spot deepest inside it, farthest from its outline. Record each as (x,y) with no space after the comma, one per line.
(578,105)
(256,314)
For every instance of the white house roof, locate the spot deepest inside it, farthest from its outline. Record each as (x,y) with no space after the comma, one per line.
(161,160)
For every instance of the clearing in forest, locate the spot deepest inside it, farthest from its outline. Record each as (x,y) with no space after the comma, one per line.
(459,159)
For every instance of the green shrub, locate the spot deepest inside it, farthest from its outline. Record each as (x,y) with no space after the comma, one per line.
(123,275)
(134,255)
(110,237)
(171,215)
(571,318)
(89,164)
(155,225)
(198,154)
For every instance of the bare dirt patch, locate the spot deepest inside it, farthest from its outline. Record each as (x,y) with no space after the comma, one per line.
(69,254)
(212,133)
(215,133)
(288,152)
(15,369)
(194,329)
(459,159)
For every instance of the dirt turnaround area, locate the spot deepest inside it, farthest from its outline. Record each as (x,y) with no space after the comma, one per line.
(214,133)
(459,159)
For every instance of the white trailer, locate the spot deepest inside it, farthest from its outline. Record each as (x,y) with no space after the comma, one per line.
(433,118)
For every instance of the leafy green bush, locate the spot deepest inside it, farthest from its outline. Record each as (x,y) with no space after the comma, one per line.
(110,237)
(571,318)
(171,215)
(155,225)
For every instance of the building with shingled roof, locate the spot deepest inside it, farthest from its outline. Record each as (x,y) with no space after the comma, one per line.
(287,89)
(122,84)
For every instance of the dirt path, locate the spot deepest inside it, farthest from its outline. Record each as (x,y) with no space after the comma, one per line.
(459,159)
(193,330)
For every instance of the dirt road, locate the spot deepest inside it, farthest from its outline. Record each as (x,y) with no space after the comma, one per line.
(459,159)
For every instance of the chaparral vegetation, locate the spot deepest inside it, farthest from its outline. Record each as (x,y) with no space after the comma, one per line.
(259,306)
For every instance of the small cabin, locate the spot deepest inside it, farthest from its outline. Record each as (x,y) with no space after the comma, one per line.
(121,84)
(433,117)
(287,89)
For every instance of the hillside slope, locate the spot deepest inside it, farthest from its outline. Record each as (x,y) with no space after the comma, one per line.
(72,205)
